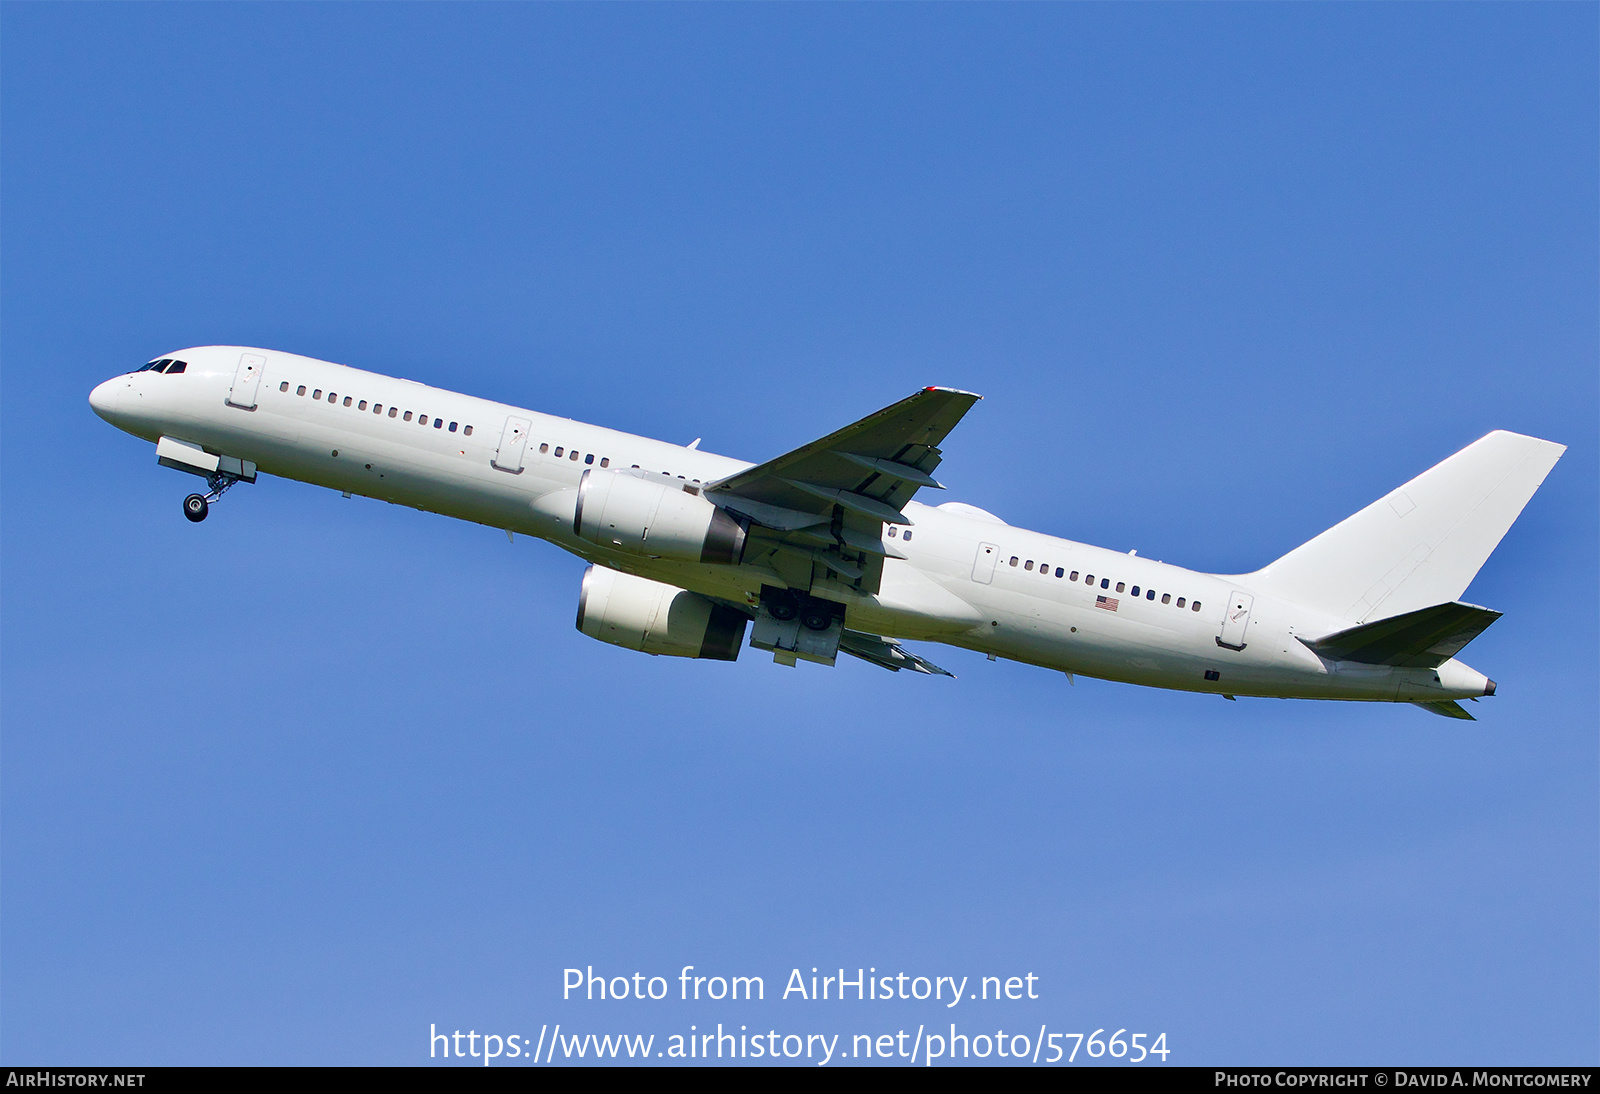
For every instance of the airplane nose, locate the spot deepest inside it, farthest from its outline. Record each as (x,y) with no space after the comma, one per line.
(104,398)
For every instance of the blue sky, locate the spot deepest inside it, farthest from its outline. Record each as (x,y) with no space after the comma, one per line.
(289,786)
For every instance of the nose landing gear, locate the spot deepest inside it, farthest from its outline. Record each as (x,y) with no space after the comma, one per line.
(196,506)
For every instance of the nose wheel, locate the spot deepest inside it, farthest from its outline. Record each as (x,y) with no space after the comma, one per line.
(196,506)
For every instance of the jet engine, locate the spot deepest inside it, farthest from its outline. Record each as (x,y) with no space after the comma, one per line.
(661,519)
(639,614)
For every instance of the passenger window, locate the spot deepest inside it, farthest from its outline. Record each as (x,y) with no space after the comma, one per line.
(907,536)
(1028,565)
(393,411)
(176,367)
(1105,583)
(438,423)
(422,419)
(347,400)
(1150,594)
(605,461)
(589,458)
(1166,598)
(377,408)
(1073,576)
(467,431)
(544,448)
(1060,571)
(1180,601)
(362,405)
(1135,590)
(573,455)
(1088,579)
(560,451)
(892,531)
(407,416)
(284,386)
(1121,585)
(452,427)
(317,394)
(301,390)
(1015,560)
(332,398)
(1195,606)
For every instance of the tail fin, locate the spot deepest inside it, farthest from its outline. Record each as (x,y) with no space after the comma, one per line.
(1419,545)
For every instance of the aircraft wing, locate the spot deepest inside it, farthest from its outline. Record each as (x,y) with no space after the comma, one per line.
(827,502)
(887,653)
(871,468)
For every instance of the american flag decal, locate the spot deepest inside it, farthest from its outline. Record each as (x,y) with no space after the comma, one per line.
(1109,603)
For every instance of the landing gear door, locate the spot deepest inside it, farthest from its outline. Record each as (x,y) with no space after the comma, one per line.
(983,565)
(1235,621)
(513,442)
(246,378)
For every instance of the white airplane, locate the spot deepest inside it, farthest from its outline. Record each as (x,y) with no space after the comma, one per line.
(823,549)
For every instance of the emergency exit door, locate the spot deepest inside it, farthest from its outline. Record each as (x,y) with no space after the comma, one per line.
(983,565)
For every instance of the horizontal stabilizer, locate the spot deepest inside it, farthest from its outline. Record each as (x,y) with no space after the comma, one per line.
(1425,638)
(1445,708)
(887,653)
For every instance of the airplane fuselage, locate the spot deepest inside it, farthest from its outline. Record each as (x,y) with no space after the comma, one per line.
(963,578)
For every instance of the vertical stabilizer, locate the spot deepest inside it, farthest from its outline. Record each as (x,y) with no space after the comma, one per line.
(1419,545)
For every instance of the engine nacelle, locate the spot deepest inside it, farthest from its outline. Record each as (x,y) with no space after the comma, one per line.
(639,614)
(655,518)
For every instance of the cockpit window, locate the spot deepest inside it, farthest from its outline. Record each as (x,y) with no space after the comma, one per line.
(165,364)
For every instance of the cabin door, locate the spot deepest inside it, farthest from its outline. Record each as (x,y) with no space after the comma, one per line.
(246,378)
(1235,620)
(513,441)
